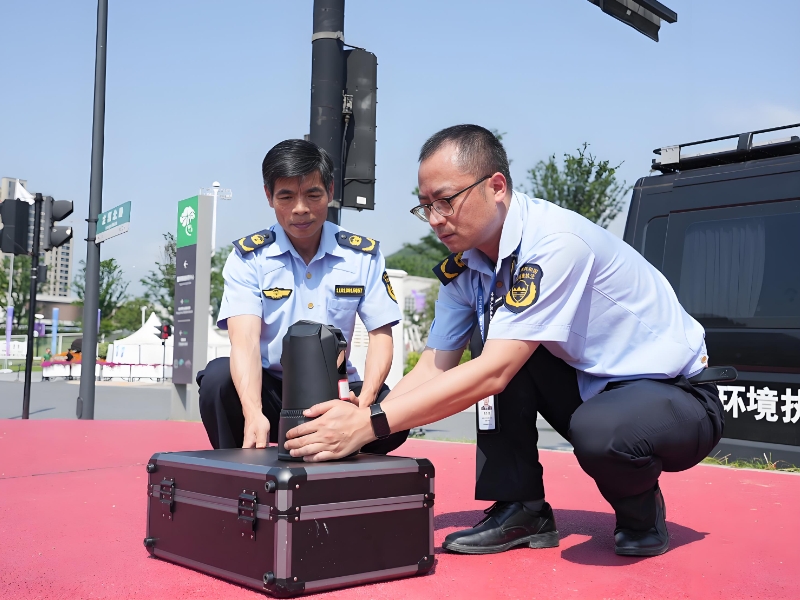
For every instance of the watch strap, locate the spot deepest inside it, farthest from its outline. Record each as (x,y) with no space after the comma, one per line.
(380,424)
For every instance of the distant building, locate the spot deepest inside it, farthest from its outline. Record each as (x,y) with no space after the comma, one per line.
(8,187)
(58,260)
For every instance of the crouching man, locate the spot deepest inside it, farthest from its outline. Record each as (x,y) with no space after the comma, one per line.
(301,268)
(578,327)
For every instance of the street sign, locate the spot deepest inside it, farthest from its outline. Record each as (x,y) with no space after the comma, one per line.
(113,222)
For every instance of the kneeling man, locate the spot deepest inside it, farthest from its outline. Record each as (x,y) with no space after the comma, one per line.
(578,327)
(301,268)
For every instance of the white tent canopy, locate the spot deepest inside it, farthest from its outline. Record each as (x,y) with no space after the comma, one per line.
(142,347)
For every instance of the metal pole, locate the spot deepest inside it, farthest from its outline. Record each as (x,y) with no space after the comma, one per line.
(37,230)
(10,281)
(327,85)
(91,299)
(214,222)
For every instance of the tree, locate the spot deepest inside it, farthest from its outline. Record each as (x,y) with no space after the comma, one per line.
(113,291)
(128,317)
(584,184)
(20,291)
(160,284)
(418,259)
(217,281)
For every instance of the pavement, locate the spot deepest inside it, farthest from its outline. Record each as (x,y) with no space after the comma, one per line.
(73,506)
(118,400)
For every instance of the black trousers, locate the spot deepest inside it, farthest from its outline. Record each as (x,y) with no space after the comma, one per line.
(221,409)
(623,438)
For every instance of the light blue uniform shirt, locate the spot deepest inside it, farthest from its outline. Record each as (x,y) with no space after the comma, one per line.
(274,283)
(586,295)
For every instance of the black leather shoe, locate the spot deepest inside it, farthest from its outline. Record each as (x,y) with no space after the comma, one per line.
(651,542)
(506,525)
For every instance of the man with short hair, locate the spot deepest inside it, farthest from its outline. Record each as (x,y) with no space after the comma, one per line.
(302,268)
(572,324)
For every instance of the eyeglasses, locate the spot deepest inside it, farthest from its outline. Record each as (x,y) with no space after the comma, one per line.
(443,206)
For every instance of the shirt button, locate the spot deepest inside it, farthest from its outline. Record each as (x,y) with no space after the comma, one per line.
(310,305)
(308,275)
(499,284)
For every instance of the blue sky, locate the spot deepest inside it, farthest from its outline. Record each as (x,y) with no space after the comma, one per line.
(199,91)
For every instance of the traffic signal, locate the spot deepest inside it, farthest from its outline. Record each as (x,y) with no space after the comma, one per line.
(55,211)
(163,331)
(14,235)
(358,179)
(644,16)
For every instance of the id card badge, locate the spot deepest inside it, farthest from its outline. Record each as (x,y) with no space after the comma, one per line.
(487,415)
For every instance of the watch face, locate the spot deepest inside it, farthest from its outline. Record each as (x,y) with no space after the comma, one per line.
(380,424)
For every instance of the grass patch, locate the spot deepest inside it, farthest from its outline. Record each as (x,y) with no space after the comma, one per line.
(418,433)
(765,464)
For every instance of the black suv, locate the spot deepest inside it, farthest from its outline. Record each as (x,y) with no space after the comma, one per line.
(724,229)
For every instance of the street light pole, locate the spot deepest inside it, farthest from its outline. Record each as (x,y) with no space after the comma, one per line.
(91,296)
(327,87)
(37,222)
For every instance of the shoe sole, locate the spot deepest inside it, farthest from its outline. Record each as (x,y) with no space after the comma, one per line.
(642,551)
(539,540)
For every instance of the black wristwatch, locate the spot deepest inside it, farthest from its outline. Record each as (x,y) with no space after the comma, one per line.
(380,424)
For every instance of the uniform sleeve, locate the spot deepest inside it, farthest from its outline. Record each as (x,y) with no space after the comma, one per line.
(545,296)
(453,320)
(242,292)
(379,305)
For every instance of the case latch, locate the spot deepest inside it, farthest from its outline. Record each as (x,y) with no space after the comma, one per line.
(248,507)
(166,493)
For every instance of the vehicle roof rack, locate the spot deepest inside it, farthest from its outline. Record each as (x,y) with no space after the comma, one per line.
(671,159)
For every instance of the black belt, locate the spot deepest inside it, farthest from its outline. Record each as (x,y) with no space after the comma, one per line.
(714,375)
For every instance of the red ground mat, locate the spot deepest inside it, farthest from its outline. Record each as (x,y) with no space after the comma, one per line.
(72,520)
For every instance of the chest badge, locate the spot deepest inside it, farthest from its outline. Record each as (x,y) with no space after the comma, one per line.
(276,293)
(525,291)
(349,290)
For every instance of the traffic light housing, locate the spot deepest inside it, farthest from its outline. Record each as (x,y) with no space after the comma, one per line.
(358,179)
(164,332)
(14,235)
(644,16)
(55,211)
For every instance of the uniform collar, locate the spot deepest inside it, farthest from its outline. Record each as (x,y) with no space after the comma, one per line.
(327,243)
(510,239)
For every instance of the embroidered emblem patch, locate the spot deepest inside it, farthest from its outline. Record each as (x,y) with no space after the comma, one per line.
(450,268)
(349,290)
(356,242)
(387,282)
(525,291)
(276,293)
(250,242)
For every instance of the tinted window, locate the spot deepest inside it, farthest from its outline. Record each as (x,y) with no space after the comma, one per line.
(654,236)
(740,271)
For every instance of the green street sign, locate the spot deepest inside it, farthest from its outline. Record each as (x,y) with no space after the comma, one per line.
(113,222)
(187,222)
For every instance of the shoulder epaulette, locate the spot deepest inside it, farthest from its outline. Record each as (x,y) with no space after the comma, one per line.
(450,268)
(250,242)
(357,242)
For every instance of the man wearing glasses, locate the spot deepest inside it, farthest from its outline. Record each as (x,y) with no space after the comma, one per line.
(572,324)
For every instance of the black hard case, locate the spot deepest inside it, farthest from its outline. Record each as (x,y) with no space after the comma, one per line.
(289,528)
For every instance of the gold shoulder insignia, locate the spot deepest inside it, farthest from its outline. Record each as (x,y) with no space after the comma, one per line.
(526,288)
(357,242)
(388,284)
(250,242)
(450,268)
(276,293)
